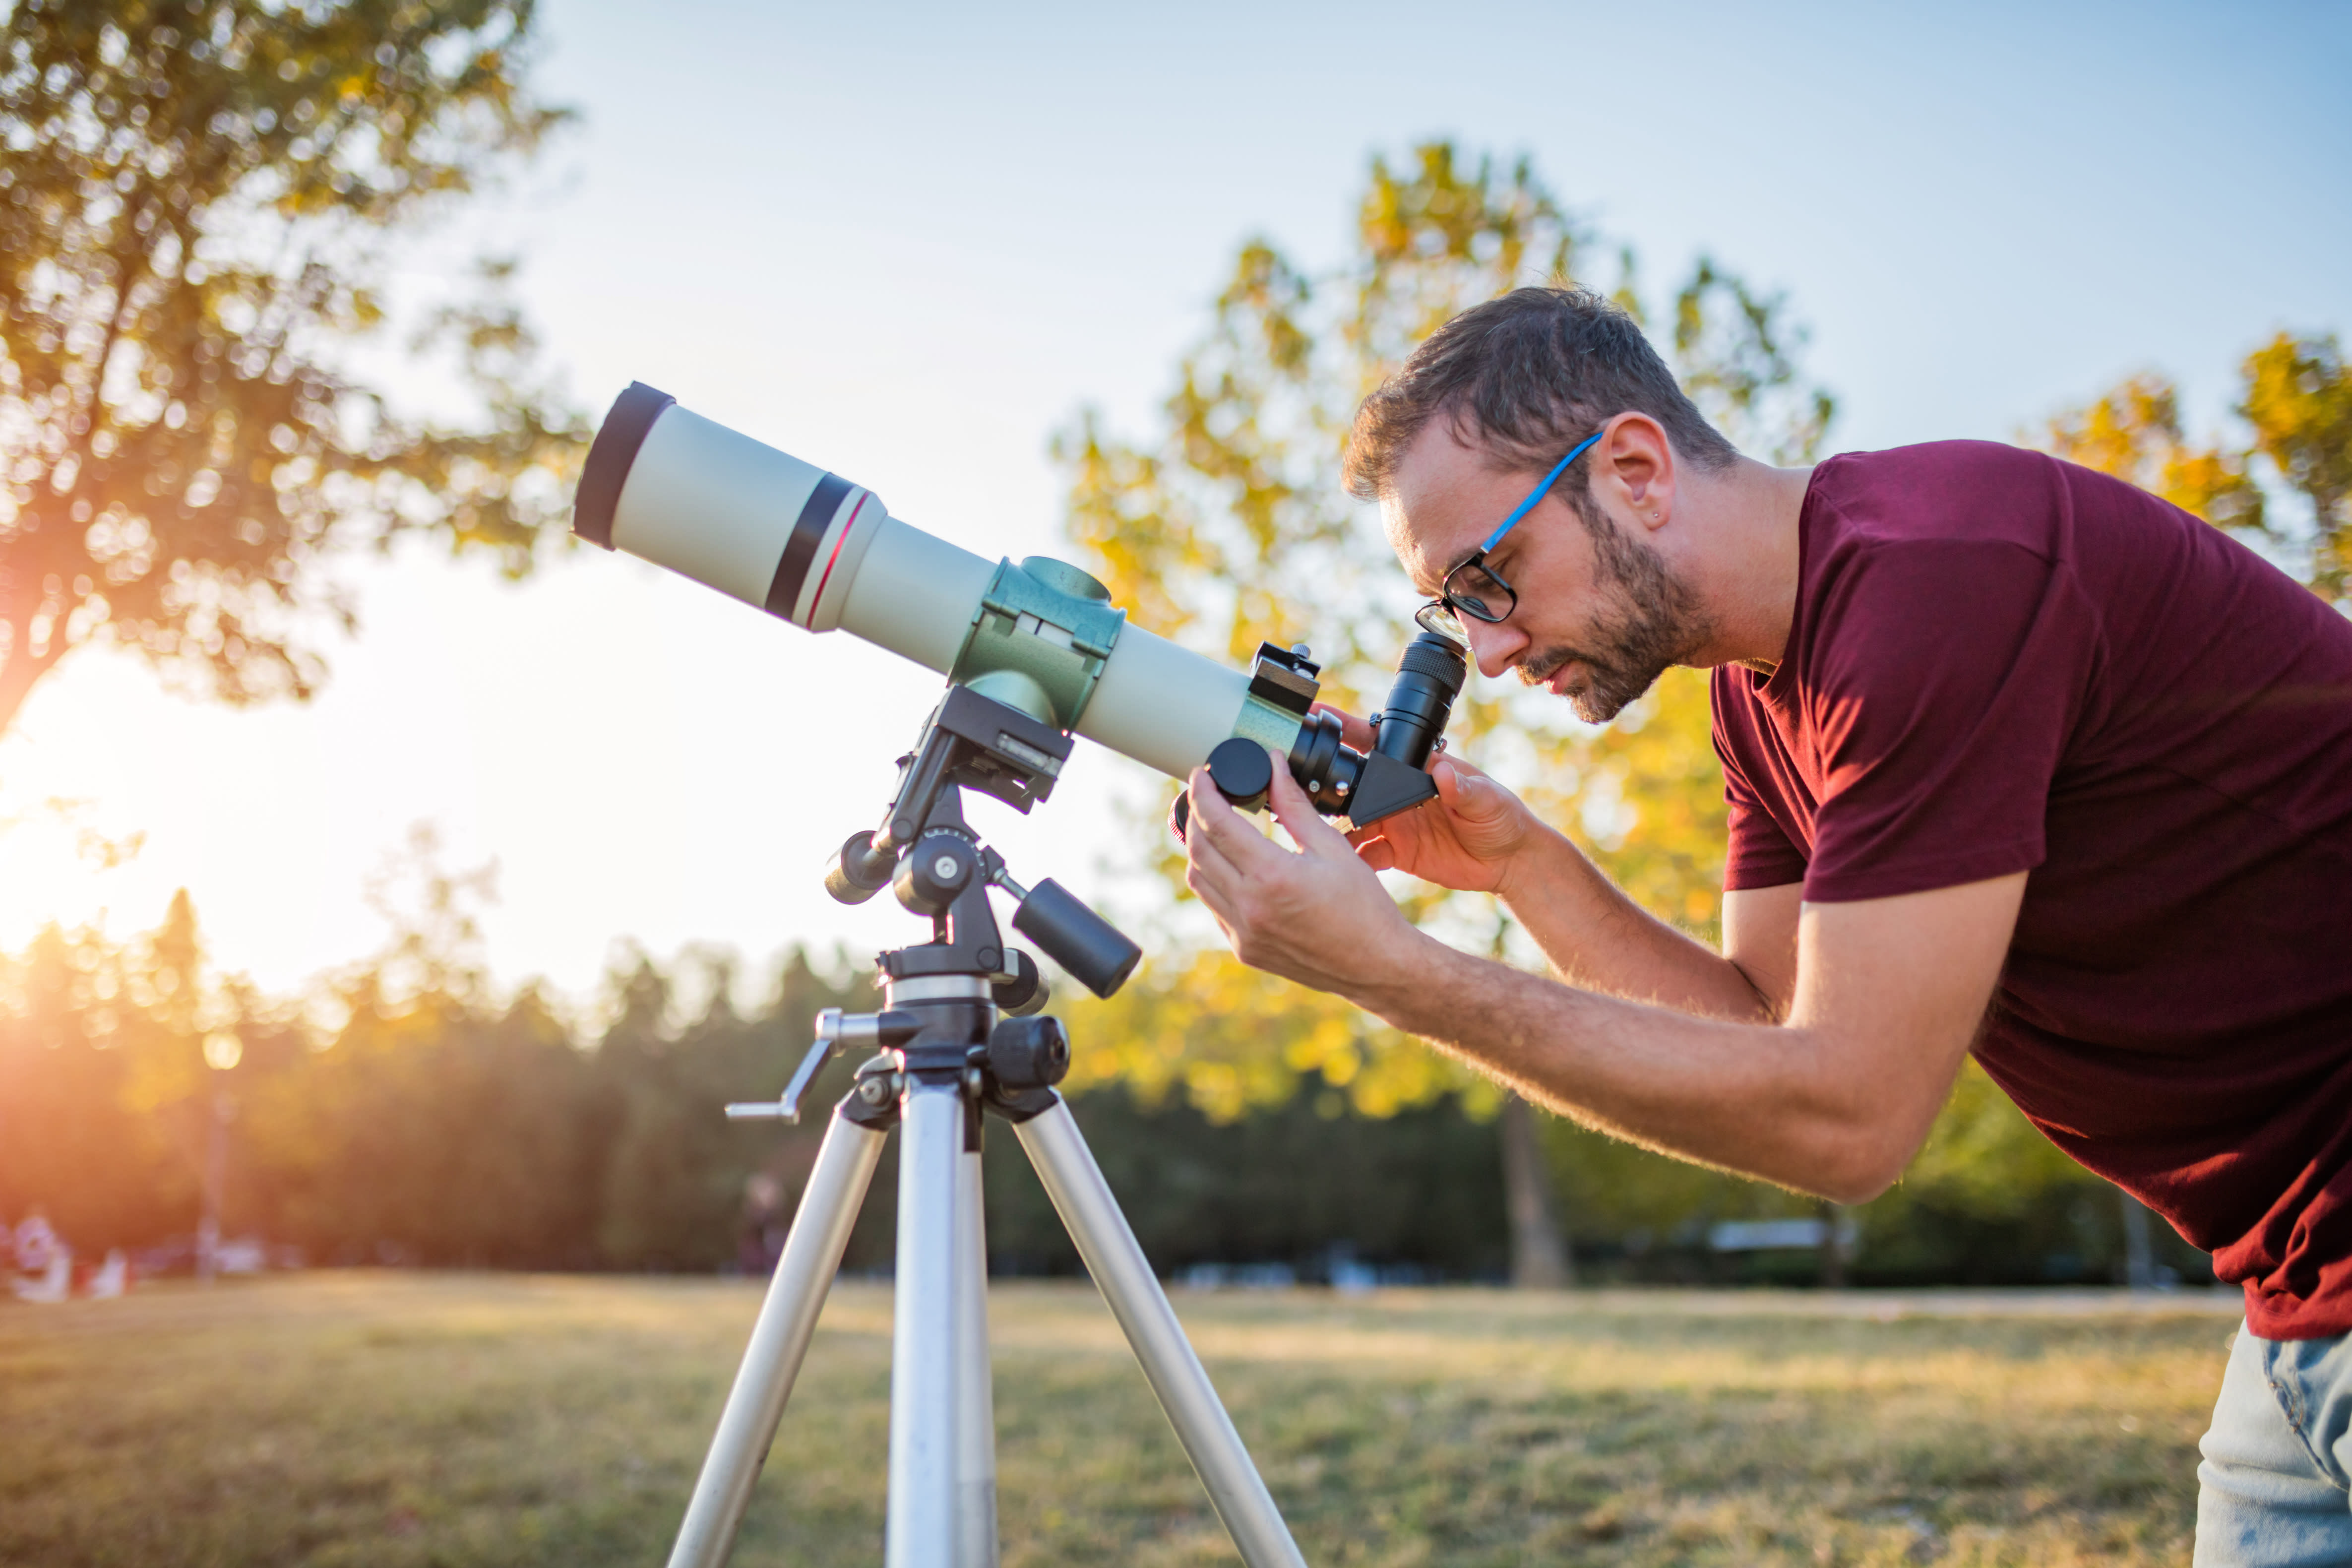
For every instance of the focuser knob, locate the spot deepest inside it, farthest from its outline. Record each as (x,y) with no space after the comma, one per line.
(1243,771)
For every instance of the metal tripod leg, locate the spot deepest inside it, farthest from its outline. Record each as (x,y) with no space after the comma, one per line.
(813,1248)
(920,1529)
(976,1543)
(1076,1183)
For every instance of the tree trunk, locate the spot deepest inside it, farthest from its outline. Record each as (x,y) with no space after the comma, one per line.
(1539,1255)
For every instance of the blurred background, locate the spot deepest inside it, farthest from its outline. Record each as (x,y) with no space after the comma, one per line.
(383,880)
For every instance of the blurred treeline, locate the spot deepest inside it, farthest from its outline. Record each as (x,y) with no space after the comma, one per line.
(402,1114)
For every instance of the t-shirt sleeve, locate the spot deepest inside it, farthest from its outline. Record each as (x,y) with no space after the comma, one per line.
(1945,676)
(1757,854)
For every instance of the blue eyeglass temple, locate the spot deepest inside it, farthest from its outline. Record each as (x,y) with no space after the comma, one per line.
(1540,490)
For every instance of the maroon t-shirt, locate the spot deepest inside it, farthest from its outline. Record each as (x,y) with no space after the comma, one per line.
(2000,662)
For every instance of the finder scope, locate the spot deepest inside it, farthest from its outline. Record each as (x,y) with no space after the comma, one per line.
(1042,637)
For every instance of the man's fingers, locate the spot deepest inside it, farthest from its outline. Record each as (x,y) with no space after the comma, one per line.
(1300,818)
(1377,853)
(1211,877)
(1211,861)
(1215,818)
(1357,733)
(1218,901)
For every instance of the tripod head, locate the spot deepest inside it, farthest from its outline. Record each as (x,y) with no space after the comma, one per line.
(931,859)
(929,855)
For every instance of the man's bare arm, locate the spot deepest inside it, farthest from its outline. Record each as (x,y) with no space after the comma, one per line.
(1759,938)
(1479,836)
(1598,938)
(1884,998)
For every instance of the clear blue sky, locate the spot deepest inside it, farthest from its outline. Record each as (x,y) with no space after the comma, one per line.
(906,243)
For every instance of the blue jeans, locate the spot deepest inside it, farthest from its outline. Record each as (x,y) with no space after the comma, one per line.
(2275,1486)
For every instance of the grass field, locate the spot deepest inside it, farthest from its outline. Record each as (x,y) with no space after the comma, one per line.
(462,1420)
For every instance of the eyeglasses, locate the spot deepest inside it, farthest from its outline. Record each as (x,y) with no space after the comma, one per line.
(1477,590)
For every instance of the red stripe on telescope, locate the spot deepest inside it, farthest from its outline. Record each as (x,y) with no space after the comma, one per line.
(863,497)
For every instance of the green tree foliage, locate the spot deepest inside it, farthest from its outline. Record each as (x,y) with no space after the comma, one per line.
(1233,1040)
(194,200)
(2294,410)
(2134,433)
(2298,399)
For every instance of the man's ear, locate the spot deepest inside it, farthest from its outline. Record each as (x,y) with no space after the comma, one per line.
(1635,463)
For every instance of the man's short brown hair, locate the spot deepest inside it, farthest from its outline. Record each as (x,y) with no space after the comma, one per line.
(1525,378)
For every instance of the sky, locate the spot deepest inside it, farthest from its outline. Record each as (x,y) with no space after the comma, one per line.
(909,243)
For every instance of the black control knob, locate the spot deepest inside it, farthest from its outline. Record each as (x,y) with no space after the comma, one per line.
(1024,991)
(860,871)
(1243,771)
(1029,1053)
(934,872)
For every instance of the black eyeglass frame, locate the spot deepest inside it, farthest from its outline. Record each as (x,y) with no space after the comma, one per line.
(1442,614)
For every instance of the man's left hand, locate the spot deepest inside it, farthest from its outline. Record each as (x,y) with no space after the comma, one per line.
(1317,914)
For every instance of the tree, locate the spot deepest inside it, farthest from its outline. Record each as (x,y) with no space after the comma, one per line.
(195,199)
(1230,527)
(2295,403)
(2298,399)
(2134,433)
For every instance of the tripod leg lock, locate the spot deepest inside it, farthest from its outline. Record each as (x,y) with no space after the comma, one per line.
(1024,1058)
(872,1101)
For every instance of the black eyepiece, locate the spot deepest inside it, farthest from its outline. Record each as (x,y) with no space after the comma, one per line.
(1392,776)
(1429,677)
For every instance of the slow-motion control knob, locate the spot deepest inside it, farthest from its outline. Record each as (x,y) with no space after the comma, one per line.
(860,871)
(1029,1053)
(1023,989)
(931,873)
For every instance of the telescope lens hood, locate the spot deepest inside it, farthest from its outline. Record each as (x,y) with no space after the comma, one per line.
(610,457)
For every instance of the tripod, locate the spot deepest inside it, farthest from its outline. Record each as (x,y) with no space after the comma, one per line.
(945,1060)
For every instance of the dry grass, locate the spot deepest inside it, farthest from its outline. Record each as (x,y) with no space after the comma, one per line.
(465,1420)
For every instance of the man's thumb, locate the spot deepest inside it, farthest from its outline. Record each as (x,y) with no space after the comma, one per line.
(1466,791)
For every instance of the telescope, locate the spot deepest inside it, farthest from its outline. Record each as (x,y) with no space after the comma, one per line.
(1035,653)
(1039,637)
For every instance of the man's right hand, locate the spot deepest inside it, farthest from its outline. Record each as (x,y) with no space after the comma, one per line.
(1465,839)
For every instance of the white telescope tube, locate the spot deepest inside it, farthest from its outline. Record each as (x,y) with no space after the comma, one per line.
(809,547)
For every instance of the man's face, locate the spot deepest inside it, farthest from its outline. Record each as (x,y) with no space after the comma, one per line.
(1600,615)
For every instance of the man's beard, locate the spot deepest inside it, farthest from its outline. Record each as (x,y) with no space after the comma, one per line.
(1653,621)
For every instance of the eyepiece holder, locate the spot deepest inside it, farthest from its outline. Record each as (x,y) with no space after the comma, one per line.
(1363,786)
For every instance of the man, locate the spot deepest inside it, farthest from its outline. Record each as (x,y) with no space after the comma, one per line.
(2019,761)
